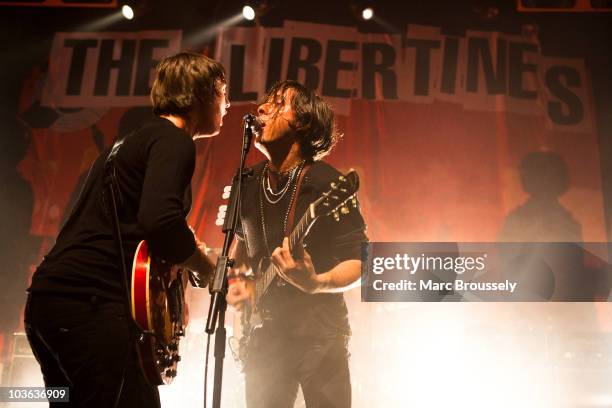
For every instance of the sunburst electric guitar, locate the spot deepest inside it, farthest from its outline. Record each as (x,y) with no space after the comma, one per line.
(335,202)
(158,307)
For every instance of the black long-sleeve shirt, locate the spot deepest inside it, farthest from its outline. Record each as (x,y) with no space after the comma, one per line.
(154,167)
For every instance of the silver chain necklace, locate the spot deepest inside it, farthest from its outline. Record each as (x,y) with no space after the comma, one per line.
(271,196)
(297,171)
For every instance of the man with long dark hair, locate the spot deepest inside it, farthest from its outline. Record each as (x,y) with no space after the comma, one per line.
(76,316)
(305,330)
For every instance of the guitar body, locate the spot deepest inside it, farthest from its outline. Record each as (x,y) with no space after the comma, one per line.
(158,307)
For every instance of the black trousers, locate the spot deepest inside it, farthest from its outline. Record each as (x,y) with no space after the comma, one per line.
(86,344)
(277,364)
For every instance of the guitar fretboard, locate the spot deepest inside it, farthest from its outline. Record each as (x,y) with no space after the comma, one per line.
(269,274)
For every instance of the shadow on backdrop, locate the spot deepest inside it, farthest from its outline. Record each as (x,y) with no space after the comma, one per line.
(550,265)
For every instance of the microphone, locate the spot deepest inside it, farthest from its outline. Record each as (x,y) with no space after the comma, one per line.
(253,123)
(252,126)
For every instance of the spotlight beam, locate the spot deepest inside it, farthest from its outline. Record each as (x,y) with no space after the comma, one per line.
(207,33)
(101,23)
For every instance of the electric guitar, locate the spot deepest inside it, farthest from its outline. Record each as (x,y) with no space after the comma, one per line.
(334,202)
(158,307)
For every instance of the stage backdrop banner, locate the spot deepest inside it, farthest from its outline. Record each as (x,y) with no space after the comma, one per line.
(75,109)
(105,69)
(483,71)
(456,138)
(477,138)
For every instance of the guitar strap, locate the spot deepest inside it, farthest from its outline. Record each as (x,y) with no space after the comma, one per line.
(112,201)
(291,216)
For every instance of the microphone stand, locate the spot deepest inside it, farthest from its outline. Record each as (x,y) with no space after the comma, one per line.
(218,289)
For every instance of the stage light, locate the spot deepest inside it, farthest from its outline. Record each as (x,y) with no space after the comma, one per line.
(127,12)
(367,13)
(251,10)
(248,12)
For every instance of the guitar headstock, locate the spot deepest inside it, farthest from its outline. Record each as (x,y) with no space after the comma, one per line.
(340,197)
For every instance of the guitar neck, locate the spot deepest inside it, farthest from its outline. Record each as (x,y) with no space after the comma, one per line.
(296,236)
(301,229)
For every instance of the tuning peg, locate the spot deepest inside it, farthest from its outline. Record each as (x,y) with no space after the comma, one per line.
(354,202)
(342,178)
(344,210)
(344,190)
(336,215)
(333,185)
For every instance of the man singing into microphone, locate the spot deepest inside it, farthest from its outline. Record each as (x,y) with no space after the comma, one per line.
(303,340)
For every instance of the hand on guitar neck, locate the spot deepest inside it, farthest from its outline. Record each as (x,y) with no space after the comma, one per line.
(199,263)
(299,271)
(296,268)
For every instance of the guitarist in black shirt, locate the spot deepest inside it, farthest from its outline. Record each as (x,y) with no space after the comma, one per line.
(76,316)
(303,338)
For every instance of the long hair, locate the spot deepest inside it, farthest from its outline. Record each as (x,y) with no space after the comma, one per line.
(315,126)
